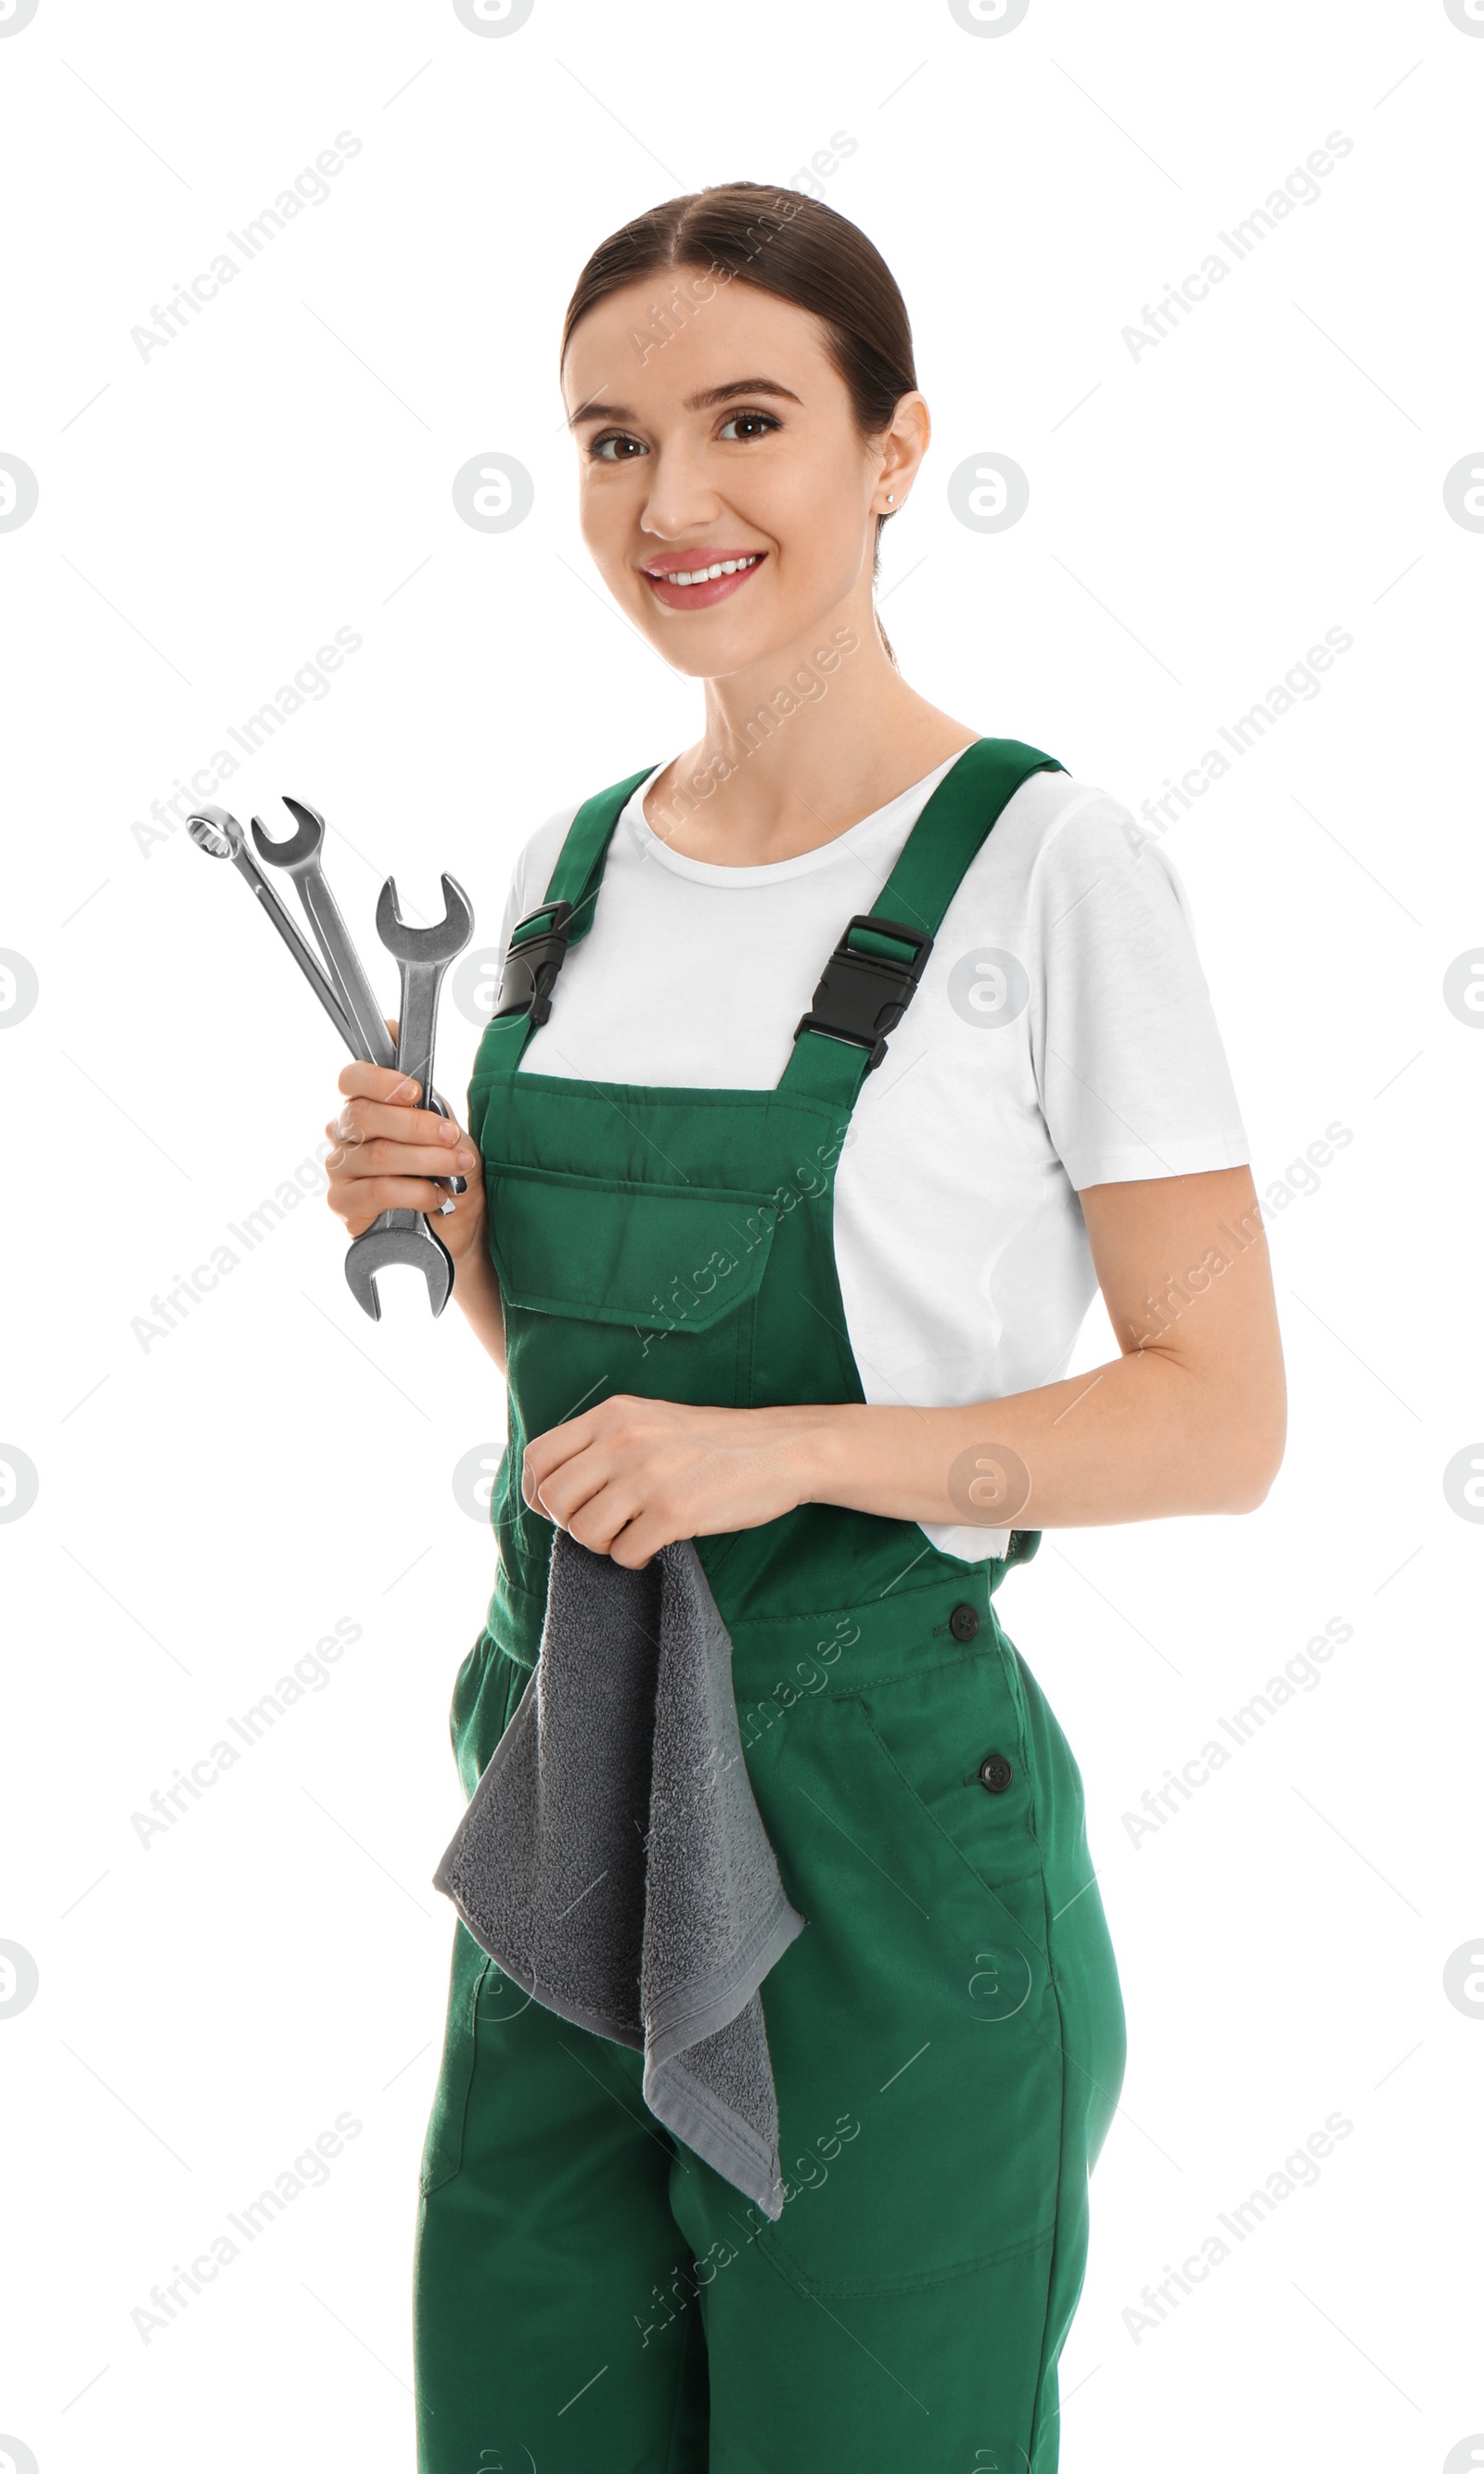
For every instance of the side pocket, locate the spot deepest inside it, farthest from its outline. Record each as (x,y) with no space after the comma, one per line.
(443,2147)
(1009,1661)
(933,1731)
(913,2027)
(486,1693)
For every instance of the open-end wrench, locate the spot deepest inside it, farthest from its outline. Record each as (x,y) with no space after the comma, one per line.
(300,855)
(423,955)
(214,830)
(217,832)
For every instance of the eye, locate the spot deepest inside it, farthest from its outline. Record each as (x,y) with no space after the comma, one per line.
(762,422)
(613,447)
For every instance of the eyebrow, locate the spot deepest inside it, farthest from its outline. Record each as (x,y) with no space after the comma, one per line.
(704,400)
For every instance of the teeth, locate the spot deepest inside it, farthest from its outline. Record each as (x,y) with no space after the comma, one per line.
(708,574)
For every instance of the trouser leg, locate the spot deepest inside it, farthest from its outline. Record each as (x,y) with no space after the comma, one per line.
(947,2046)
(545,2235)
(946,2038)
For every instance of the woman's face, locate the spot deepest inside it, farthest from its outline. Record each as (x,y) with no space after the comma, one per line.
(726,438)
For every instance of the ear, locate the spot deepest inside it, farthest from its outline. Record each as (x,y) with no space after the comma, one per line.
(900,450)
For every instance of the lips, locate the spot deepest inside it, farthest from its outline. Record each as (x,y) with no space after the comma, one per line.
(715,574)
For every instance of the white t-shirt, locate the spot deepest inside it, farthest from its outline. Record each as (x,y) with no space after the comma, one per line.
(1062,1036)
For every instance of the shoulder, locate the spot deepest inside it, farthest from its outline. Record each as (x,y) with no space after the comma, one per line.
(1061,842)
(538,856)
(1130,1066)
(538,852)
(1053,818)
(534,861)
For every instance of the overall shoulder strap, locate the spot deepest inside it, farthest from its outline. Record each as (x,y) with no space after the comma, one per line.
(579,862)
(538,941)
(871,976)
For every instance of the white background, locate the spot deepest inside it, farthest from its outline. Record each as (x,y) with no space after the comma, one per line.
(209,1504)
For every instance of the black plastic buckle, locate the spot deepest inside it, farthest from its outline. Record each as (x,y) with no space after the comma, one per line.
(533,961)
(862,997)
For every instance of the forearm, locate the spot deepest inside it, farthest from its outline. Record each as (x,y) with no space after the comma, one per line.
(1143,1438)
(1189,1419)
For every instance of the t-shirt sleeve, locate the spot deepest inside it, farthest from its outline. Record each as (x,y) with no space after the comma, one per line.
(532,872)
(1132,1072)
(516,904)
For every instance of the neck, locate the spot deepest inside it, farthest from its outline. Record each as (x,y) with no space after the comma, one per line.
(800,746)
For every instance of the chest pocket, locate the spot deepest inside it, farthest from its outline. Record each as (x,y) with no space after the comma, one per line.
(652,1287)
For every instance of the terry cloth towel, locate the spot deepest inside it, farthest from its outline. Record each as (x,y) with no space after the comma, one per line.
(614,1862)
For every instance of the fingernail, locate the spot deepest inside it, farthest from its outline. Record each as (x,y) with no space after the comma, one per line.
(463,1159)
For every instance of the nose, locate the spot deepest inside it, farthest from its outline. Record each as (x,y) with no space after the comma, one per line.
(679,500)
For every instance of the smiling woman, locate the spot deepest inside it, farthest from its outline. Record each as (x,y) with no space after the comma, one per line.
(900,1032)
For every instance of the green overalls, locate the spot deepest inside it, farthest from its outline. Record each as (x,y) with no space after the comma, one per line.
(946,2034)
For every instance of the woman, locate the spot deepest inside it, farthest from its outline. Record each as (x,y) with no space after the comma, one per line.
(803,1290)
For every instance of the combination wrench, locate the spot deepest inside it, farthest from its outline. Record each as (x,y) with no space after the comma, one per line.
(217,831)
(299,858)
(346,994)
(423,955)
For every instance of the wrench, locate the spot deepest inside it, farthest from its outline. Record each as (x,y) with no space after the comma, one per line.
(300,856)
(214,830)
(423,955)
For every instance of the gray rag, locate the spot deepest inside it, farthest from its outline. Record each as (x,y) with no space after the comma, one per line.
(614,1862)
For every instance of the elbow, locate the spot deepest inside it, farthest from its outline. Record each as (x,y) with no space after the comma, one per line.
(1253,1456)
(1252,1490)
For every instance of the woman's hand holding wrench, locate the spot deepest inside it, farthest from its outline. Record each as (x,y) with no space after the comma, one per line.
(389,1149)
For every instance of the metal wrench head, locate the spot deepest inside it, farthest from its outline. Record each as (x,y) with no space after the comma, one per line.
(409,1241)
(301,846)
(436,944)
(216,831)
(300,857)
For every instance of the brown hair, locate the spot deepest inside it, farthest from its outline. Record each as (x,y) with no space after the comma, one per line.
(799,249)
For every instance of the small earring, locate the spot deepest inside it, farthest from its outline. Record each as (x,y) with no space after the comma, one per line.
(892,497)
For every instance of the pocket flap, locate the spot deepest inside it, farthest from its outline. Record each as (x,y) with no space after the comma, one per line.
(658,1257)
